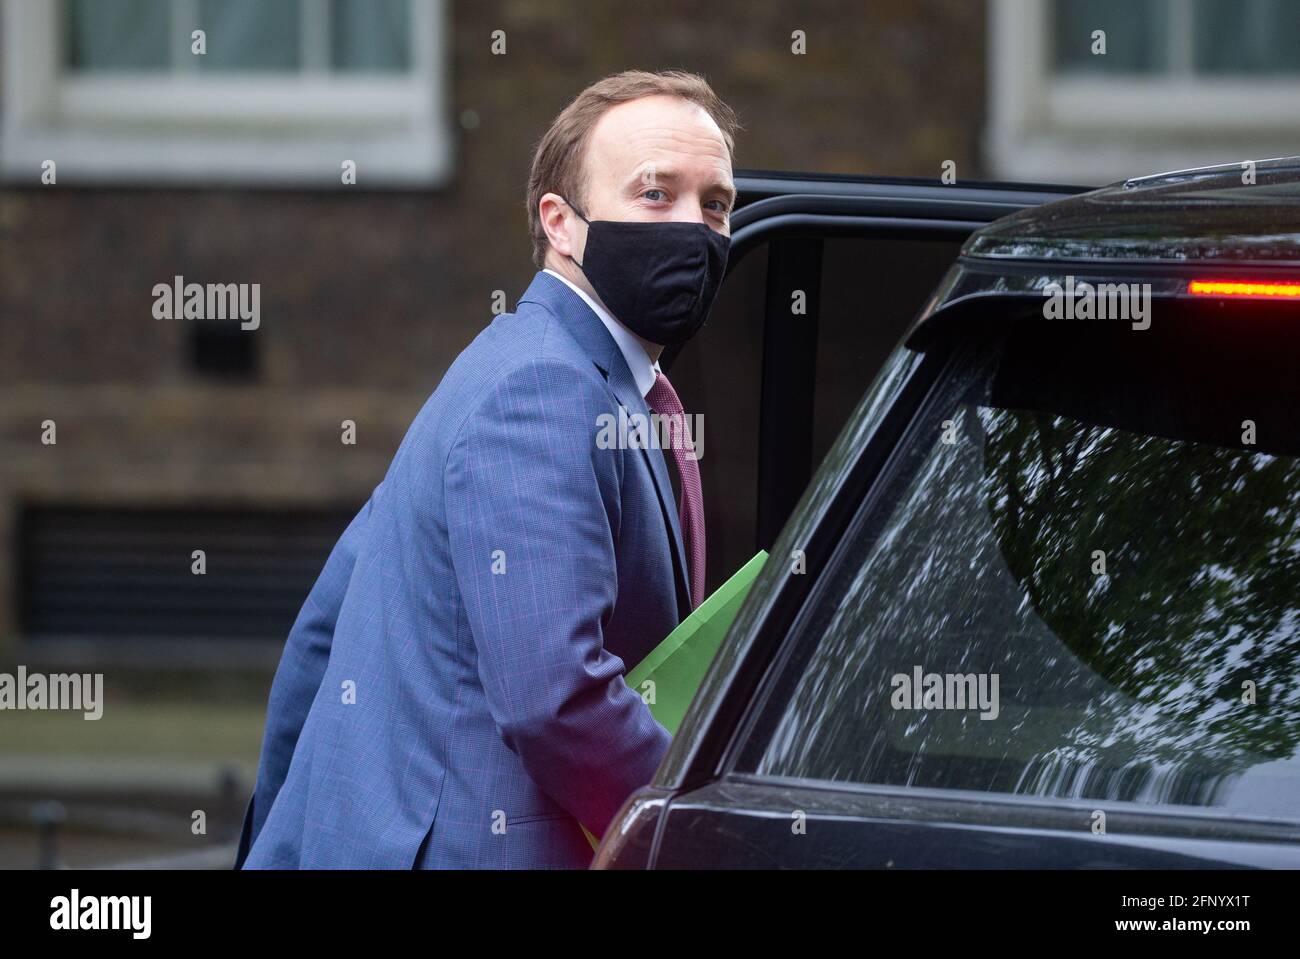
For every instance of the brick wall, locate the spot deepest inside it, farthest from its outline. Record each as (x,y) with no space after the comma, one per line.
(367,296)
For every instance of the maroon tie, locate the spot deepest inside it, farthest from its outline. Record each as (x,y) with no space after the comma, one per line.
(662,399)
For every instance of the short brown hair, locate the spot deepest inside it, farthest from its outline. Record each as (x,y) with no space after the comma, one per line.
(560,155)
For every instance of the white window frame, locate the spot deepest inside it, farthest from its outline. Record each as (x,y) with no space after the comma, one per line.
(1096,130)
(249,129)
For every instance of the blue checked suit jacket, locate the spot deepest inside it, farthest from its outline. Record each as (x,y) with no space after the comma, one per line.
(451,694)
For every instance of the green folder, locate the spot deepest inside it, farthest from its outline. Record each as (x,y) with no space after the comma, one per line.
(677,666)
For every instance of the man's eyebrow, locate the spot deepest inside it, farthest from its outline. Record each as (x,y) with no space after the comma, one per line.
(652,171)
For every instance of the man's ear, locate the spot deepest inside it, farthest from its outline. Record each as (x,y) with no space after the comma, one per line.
(558,222)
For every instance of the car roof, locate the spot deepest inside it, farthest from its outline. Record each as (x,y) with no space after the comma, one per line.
(1238,213)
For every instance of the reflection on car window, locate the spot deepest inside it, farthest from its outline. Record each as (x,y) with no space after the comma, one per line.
(1046,603)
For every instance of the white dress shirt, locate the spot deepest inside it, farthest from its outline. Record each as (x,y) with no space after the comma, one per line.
(638,360)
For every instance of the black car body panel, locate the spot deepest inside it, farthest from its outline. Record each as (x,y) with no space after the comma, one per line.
(1225,215)
(737,824)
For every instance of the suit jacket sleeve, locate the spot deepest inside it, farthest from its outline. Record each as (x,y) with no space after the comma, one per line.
(298,677)
(532,517)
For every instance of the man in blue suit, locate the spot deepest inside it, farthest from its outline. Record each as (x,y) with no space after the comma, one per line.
(452,692)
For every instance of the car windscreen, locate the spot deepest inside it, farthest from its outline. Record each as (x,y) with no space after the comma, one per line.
(1077,577)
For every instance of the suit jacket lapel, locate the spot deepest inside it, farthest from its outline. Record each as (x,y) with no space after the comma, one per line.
(590,333)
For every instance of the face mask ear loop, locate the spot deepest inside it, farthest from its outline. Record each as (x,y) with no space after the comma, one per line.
(584,220)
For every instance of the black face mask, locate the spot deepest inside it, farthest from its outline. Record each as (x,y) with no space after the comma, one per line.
(657,278)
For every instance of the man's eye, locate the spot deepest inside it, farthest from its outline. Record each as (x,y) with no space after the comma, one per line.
(647,193)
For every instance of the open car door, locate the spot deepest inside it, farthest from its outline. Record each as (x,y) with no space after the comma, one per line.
(824,275)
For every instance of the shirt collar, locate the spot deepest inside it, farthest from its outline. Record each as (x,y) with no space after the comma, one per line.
(638,360)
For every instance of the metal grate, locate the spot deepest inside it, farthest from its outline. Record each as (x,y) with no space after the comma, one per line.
(92,572)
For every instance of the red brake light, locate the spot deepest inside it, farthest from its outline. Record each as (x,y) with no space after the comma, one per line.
(1236,288)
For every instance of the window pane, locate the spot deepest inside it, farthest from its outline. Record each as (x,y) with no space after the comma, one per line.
(117,34)
(371,35)
(979,562)
(1247,36)
(250,34)
(1137,34)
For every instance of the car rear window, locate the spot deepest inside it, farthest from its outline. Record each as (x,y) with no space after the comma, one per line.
(1078,577)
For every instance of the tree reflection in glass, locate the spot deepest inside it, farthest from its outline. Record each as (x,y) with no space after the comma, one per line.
(1132,593)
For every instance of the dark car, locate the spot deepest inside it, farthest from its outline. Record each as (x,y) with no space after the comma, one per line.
(1039,605)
